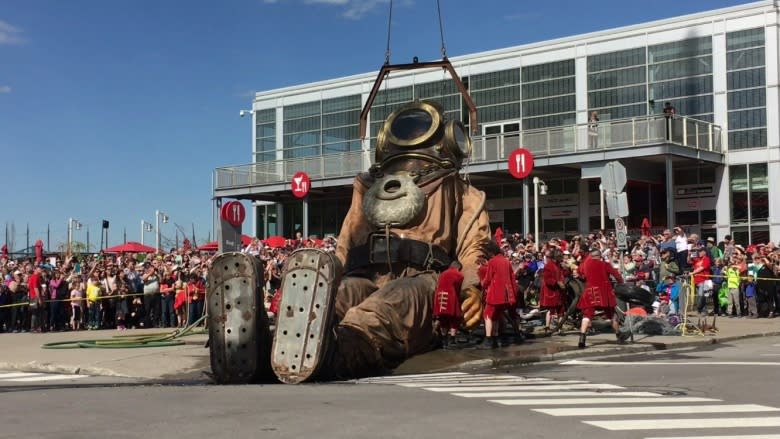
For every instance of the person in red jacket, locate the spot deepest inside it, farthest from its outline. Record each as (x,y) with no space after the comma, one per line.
(553,288)
(598,293)
(446,304)
(498,282)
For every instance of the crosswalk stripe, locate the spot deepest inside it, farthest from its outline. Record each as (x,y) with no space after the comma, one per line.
(519,388)
(41,378)
(583,401)
(691,423)
(426,375)
(660,410)
(741,436)
(17,375)
(455,379)
(540,394)
(521,383)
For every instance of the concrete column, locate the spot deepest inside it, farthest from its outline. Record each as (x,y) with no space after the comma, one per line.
(584,207)
(280,219)
(305,218)
(722,202)
(669,192)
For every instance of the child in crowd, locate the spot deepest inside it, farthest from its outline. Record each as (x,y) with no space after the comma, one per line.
(180,303)
(76,297)
(750,296)
(93,306)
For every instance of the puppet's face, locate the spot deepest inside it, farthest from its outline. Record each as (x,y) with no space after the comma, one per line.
(420,131)
(415,140)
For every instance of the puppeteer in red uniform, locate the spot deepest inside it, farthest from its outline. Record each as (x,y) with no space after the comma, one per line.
(552,288)
(598,293)
(446,303)
(498,282)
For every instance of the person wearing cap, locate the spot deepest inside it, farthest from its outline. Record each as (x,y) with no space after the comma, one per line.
(733,272)
(551,296)
(713,250)
(668,294)
(702,270)
(598,293)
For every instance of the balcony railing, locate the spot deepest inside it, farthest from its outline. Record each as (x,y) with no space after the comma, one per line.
(623,133)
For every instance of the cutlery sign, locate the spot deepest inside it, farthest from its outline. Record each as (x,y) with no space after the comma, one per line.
(301,184)
(521,163)
(233,212)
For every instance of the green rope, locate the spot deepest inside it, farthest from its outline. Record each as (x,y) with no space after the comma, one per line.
(159,339)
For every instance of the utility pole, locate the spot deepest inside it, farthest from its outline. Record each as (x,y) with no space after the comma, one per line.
(28,238)
(48,238)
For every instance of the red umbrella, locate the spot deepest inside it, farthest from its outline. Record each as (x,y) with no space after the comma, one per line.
(275,241)
(130,247)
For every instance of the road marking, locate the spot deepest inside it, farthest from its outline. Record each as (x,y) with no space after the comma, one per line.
(477,379)
(583,401)
(661,410)
(540,393)
(427,375)
(17,375)
(743,436)
(521,383)
(41,378)
(689,423)
(667,363)
(520,388)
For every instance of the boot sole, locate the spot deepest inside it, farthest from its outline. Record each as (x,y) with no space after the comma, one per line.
(239,338)
(304,325)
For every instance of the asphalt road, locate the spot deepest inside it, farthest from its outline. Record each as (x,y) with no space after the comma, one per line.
(727,391)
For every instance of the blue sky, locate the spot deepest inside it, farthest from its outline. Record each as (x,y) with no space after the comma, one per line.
(113,109)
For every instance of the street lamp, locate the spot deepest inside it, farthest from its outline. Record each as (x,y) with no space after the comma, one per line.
(537,190)
(145,227)
(72,223)
(157,216)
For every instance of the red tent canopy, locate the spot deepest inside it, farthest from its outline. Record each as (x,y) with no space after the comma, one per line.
(275,241)
(130,246)
(213,245)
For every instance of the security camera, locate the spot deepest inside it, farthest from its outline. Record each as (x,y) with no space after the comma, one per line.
(243,113)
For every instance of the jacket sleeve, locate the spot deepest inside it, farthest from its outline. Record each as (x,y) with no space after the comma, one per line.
(614,273)
(355,228)
(473,234)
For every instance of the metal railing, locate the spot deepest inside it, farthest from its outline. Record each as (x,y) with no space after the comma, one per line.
(622,133)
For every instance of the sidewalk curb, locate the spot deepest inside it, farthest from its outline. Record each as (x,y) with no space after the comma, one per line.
(609,349)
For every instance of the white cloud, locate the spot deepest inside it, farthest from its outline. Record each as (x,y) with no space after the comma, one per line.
(353,9)
(10,34)
(5,89)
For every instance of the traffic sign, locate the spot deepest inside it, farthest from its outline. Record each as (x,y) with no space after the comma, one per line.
(613,177)
(233,212)
(521,163)
(621,233)
(301,183)
(617,205)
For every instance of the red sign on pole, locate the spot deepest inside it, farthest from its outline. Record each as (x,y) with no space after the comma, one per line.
(233,212)
(521,163)
(301,184)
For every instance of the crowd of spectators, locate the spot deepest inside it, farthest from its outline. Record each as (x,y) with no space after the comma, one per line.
(120,291)
(728,279)
(138,290)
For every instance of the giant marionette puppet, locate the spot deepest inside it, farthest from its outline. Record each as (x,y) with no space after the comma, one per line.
(368,307)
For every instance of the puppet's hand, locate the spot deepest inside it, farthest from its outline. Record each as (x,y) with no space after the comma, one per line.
(471,306)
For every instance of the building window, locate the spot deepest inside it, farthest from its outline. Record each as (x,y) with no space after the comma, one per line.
(681,73)
(496,95)
(617,84)
(749,193)
(746,83)
(265,135)
(548,95)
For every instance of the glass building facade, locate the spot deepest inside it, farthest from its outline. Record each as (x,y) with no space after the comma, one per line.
(715,66)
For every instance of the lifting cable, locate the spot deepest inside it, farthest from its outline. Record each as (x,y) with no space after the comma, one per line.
(389,28)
